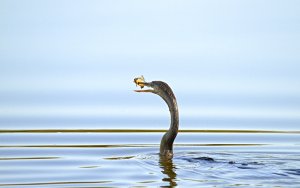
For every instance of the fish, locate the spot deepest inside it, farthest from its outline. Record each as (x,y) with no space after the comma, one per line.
(139,81)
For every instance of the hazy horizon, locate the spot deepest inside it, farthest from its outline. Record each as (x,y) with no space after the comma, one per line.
(223,59)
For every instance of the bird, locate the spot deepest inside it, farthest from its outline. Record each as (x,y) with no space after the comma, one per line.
(163,90)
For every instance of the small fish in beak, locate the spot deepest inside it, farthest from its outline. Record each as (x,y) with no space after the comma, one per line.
(139,81)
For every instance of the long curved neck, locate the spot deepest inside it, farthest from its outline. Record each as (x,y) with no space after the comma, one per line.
(173,130)
(166,145)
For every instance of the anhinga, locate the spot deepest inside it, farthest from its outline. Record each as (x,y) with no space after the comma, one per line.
(165,92)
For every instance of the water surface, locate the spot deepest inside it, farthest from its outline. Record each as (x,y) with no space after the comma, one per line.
(129,158)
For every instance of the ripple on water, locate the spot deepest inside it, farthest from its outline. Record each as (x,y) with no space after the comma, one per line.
(90,160)
(225,169)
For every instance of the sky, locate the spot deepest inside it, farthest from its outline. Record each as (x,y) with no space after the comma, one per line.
(237,57)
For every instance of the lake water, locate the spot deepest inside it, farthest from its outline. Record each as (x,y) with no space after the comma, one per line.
(56,142)
(129,158)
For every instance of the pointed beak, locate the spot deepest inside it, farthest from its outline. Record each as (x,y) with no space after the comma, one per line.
(146,90)
(142,84)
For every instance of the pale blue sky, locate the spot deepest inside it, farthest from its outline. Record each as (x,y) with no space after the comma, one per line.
(212,53)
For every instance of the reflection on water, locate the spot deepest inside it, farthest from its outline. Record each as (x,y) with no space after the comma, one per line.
(128,158)
(168,168)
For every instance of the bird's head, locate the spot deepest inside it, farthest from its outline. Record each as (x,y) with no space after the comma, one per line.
(140,81)
(157,87)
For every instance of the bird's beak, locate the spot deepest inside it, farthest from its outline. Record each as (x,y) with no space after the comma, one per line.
(146,90)
(142,84)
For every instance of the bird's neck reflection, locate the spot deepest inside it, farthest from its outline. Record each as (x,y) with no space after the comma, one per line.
(168,168)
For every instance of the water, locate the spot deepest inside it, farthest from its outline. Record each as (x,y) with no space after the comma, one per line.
(112,140)
(129,158)
(77,140)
